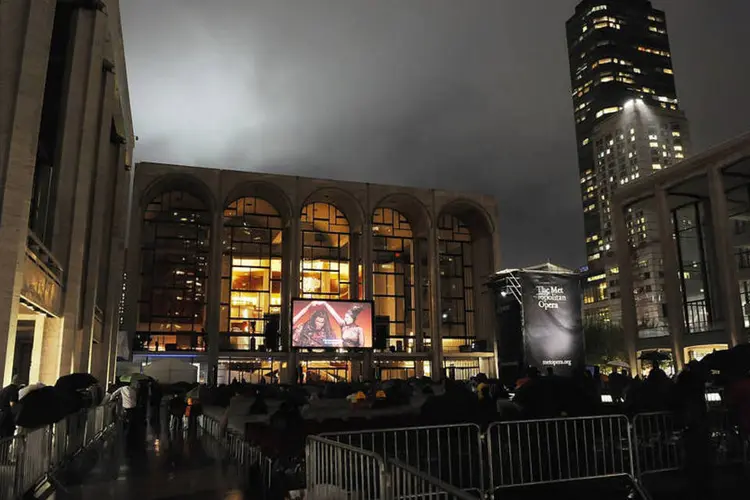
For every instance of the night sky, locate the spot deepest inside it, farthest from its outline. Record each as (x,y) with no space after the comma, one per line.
(470,95)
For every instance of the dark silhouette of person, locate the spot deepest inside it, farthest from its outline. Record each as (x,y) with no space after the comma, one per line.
(691,409)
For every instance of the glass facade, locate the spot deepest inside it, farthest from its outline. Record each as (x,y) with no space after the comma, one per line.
(174,271)
(250,274)
(456,283)
(326,253)
(393,277)
(689,225)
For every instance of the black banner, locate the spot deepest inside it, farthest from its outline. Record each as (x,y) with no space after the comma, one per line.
(553,331)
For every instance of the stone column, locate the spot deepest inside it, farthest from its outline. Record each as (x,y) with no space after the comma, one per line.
(116,268)
(729,299)
(291,288)
(49,366)
(672,292)
(368,368)
(213,306)
(629,314)
(355,253)
(433,260)
(419,328)
(133,266)
(80,122)
(102,171)
(25,33)
(37,346)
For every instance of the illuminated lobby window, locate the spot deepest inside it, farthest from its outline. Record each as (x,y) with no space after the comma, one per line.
(456,283)
(393,276)
(325,252)
(174,270)
(251,273)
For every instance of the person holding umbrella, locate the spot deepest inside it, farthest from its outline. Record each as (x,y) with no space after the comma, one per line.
(128,395)
(8,398)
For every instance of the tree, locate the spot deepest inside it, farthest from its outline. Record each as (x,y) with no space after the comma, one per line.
(605,342)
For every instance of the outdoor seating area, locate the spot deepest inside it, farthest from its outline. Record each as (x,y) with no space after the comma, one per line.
(406,455)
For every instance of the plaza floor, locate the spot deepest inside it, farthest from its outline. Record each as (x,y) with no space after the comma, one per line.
(161,466)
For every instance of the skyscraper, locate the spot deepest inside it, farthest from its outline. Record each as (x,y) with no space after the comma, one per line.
(620,62)
(618,51)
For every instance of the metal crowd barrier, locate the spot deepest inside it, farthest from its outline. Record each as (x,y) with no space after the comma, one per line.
(449,453)
(31,455)
(337,470)
(658,439)
(237,449)
(657,443)
(529,452)
(409,483)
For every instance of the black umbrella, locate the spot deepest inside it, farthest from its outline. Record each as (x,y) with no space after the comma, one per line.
(735,360)
(38,408)
(8,395)
(75,382)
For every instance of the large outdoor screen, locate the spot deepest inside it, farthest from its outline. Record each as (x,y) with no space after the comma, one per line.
(331,323)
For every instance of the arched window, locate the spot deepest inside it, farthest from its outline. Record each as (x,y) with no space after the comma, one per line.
(251,273)
(174,272)
(326,252)
(393,276)
(456,283)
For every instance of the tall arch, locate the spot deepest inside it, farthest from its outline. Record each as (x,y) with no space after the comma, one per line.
(393,277)
(251,273)
(456,282)
(466,254)
(412,209)
(344,201)
(179,182)
(326,252)
(264,190)
(175,241)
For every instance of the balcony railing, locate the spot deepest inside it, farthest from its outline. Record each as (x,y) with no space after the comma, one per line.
(698,318)
(43,257)
(743,259)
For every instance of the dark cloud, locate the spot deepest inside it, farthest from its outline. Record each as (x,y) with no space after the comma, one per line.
(471,95)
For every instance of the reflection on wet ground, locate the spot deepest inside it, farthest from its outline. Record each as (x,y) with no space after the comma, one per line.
(160,463)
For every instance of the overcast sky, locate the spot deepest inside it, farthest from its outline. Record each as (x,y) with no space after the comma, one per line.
(460,94)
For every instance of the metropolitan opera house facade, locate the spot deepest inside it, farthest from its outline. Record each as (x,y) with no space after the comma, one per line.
(215,258)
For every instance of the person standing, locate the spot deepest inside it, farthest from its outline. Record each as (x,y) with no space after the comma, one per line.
(128,395)
(155,397)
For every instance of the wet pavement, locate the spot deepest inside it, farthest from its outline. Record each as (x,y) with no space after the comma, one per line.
(158,464)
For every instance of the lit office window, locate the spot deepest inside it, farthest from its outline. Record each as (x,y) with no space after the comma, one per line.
(326,252)
(456,283)
(174,272)
(393,276)
(251,273)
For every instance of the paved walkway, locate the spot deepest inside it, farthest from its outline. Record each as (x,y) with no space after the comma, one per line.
(163,467)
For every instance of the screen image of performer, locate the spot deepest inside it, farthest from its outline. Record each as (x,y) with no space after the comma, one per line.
(316,331)
(352,334)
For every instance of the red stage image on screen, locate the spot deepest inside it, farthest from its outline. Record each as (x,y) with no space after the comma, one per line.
(328,323)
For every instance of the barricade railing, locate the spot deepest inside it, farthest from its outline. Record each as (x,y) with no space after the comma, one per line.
(529,452)
(449,453)
(658,443)
(30,455)
(658,438)
(334,469)
(409,483)
(7,466)
(237,449)
(32,458)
